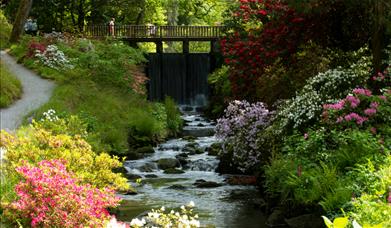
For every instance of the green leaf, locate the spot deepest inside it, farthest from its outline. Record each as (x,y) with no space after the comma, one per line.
(341,222)
(327,221)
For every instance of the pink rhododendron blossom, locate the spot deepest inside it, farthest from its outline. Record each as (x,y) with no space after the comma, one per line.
(50,197)
(370,111)
(337,106)
(354,101)
(362,91)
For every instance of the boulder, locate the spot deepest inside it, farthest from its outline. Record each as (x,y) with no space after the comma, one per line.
(173,171)
(166,163)
(305,221)
(189,138)
(214,149)
(151,176)
(177,187)
(132,176)
(206,184)
(147,167)
(276,218)
(241,180)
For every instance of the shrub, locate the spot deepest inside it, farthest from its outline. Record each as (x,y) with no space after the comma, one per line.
(306,107)
(360,109)
(10,87)
(221,91)
(174,120)
(53,58)
(50,196)
(35,143)
(238,130)
(5,31)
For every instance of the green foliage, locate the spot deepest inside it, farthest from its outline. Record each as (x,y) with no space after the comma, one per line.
(105,80)
(10,87)
(221,90)
(5,31)
(337,223)
(305,108)
(174,121)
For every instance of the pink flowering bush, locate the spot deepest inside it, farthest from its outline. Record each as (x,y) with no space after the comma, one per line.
(50,197)
(238,130)
(360,108)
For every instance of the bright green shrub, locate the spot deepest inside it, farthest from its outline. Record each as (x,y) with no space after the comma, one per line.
(174,120)
(35,143)
(5,31)
(10,87)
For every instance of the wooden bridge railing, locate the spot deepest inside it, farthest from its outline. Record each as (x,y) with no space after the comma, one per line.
(155,32)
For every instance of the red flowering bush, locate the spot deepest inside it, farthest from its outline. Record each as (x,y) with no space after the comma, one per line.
(260,32)
(35,47)
(51,197)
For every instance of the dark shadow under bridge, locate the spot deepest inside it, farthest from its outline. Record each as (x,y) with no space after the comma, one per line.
(182,76)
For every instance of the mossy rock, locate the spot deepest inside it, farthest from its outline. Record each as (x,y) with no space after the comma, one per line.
(173,171)
(214,149)
(189,138)
(167,163)
(145,150)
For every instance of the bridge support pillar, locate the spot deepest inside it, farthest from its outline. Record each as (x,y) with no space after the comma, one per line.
(185,47)
(159,46)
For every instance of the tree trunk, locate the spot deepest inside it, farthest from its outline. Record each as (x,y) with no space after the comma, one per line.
(81,16)
(21,16)
(377,35)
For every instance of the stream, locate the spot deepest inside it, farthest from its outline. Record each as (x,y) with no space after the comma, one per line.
(216,202)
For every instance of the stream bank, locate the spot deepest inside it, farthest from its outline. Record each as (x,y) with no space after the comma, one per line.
(181,170)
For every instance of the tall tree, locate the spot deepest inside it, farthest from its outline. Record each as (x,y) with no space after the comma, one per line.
(21,16)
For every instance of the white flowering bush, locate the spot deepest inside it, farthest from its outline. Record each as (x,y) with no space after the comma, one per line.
(160,218)
(238,130)
(326,87)
(53,58)
(50,115)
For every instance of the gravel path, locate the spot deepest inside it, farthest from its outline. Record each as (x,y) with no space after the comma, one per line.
(36,92)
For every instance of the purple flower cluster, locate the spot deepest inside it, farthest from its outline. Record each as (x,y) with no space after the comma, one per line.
(239,127)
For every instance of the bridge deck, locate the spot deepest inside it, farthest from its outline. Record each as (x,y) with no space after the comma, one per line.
(144,33)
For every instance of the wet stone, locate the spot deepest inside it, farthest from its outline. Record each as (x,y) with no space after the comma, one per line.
(133,177)
(206,184)
(173,171)
(147,168)
(189,138)
(166,163)
(214,149)
(305,221)
(151,176)
(177,187)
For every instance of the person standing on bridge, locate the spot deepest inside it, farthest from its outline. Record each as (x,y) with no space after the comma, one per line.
(111,26)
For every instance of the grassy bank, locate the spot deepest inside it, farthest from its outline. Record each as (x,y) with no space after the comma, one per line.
(10,87)
(103,83)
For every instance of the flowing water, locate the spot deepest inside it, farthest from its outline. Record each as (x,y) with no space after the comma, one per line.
(222,206)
